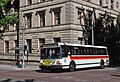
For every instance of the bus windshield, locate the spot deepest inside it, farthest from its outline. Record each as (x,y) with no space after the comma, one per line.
(50,53)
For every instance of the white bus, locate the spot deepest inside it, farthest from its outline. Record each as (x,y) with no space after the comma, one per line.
(72,56)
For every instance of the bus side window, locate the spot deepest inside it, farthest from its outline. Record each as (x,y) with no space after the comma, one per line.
(76,50)
(94,51)
(104,53)
(79,51)
(82,51)
(70,50)
(91,51)
(88,51)
(101,51)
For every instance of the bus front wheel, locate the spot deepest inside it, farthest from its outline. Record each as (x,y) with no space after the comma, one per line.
(72,66)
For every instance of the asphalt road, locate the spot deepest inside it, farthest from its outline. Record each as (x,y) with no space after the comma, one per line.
(82,75)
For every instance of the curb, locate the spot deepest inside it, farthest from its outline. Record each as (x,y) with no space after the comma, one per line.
(15,68)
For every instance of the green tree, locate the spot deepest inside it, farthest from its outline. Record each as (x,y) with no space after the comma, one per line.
(6,16)
(108,34)
(117,40)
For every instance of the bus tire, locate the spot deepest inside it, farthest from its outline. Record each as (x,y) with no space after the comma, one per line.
(72,67)
(102,65)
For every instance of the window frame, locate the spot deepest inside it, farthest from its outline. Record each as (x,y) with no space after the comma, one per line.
(28,20)
(29,45)
(29,2)
(56,16)
(6,46)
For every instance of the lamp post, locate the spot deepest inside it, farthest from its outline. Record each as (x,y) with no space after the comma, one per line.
(23,63)
(22,27)
(93,24)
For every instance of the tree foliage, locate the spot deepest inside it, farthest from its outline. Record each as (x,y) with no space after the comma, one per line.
(6,16)
(107,33)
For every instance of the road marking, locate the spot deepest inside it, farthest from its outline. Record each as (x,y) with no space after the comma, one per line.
(44,81)
(64,77)
(81,80)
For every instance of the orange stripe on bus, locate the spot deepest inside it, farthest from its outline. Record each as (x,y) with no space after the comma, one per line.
(88,57)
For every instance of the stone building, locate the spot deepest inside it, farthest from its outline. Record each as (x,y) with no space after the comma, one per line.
(49,21)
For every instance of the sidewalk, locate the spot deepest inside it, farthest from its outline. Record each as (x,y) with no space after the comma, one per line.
(15,68)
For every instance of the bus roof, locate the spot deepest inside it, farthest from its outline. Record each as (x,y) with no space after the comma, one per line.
(72,44)
(69,44)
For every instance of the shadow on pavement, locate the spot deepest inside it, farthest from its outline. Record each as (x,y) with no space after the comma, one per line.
(7,80)
(116,75)
(49,71)
(27,80)
(65,70)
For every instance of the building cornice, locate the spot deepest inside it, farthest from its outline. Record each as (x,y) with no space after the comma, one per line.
(82,3)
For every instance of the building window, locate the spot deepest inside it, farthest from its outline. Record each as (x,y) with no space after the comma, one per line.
(41,41)
(8,6)
(57,39)
(28,20)
(41,0)
(112,4)
(41,18)
(80,39)
(29,2)
(6,46)
(107,1)
(87,0)
(117,4)
(29,45)
(15,5)
(80,18)
(101,2)
(55,16)
(15,43)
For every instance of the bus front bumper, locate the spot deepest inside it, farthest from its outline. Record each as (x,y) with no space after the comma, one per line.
(57,67)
